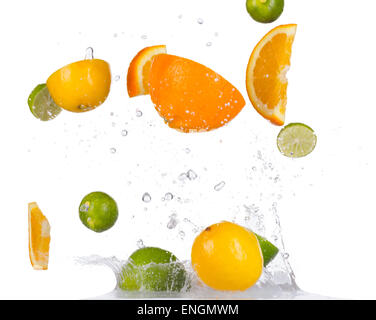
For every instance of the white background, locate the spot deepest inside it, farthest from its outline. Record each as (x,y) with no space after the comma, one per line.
(327,210)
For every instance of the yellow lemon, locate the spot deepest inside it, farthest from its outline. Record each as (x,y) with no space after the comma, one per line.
(227,256)
(80,86)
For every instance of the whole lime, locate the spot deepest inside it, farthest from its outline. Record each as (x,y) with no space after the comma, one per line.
(153,269)
(265,11)
(98,211)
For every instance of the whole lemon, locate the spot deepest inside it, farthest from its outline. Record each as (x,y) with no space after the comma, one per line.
(227,256)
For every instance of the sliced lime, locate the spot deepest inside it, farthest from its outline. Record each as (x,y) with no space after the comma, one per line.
(41,104)
(296,140)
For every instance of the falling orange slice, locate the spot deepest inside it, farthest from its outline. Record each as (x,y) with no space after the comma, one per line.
(139,69)
(190,97)
(266,73)
(39,237)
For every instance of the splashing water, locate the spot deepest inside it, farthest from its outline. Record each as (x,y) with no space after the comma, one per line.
(89,55)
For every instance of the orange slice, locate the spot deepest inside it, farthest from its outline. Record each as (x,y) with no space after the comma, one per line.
(139,69)
(191,97)
(266,73)
(39,238)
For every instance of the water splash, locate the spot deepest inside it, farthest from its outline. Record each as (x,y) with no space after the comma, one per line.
(89,54)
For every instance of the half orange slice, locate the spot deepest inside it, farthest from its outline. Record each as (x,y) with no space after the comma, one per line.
(39,237)
(139,69)
(266,73)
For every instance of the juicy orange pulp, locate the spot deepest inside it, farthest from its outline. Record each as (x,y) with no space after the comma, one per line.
(191,97)
(39,237)
(139,70)
(266,73)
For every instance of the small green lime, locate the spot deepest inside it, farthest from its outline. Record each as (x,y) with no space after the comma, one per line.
(269,250)
(153,269)
(265,11)
(41,104)
(296,140)
(98,211)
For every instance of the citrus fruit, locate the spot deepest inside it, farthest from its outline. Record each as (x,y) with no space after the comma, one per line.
(39,237)
(98,211)
(41,104)
(296,140)
(265,11)
(191,97)
(153,269)
(139,70)
(80,86)
(268,250)
(227,256)
(266,73)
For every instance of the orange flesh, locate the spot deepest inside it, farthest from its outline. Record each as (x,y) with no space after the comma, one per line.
(266,73)
(39,238)
(139,70)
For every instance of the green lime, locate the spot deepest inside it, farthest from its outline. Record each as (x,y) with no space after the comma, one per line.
(153,269)
(296,140)
(41,104)
(265,11)
(269,250)
(98,211)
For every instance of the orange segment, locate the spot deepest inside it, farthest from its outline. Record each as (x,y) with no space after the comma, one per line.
(191,97)
(39,237)
(139,69)
(266,73)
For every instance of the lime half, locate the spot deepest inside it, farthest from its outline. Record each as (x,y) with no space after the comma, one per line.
(41,104)
(296,140)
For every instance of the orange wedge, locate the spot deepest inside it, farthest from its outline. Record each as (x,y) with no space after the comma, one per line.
(39,238)
(139,69)
(266,73)
(191,97)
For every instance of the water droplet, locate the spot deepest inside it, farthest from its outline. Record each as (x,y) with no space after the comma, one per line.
(115,35)
(117,78)
(140,244)
(180,16)
(200,21)
(113,150)
(173,222)
(124,133)
(181,234)
(187,150)
(144,37)
(85,206)
(209,44)
(138,113)
(168,196)
(146,197)
(89,54)
(183,176)
(111,114)
(285,255)
(219,186)
(191,175)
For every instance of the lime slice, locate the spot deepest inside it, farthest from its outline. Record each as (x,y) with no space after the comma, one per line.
(296,140)
(269,250)
(41,104)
